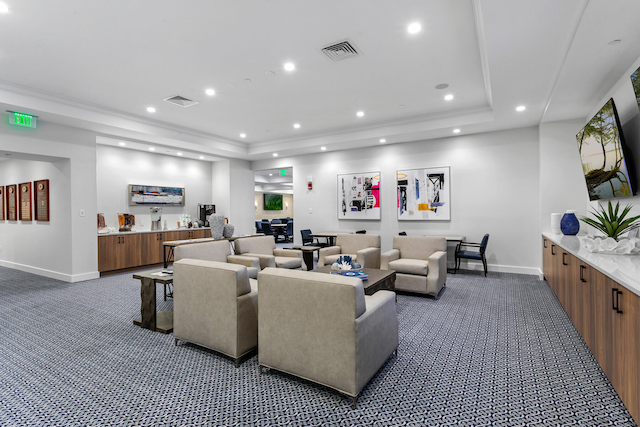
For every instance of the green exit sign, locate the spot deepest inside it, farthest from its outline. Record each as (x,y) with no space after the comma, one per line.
(283,171)
(21,119)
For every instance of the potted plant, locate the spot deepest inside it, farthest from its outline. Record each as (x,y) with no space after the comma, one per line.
(613,224)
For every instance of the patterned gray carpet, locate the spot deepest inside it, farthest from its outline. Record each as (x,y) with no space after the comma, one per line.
(495,351)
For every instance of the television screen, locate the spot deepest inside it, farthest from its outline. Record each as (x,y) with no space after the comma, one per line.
(273,202)
(635,81)
(602,150)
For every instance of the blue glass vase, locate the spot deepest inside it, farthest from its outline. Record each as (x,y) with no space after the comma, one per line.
(570,224)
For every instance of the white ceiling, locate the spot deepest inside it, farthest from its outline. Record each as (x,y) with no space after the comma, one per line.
(98,66)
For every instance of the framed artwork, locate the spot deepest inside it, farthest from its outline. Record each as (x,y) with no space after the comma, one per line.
(25,201)
(423,194)
(12,203)
(1,202)
(42,199)
(359,195)
(160,196)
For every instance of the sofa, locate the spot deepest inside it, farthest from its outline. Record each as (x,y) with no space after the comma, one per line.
(264,248)
(219,251)
(322,328)
(215,305)
(365,248)
(420,263)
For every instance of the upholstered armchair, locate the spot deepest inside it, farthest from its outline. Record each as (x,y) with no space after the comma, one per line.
(365,248)
(323,328)
(215,305)
(420,263)
(264,248)
(219,251)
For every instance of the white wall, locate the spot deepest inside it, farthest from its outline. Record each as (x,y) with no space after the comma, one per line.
(66,248)
(233,194)
(494,189)
(117,168)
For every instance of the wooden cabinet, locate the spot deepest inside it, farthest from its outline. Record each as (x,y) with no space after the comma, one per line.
(605,314)
(152,248)
(118,252)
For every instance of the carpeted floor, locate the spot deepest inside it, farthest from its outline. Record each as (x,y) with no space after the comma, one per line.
(492,351)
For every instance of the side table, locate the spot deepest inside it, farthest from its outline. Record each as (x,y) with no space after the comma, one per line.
(149,319)
(307,254)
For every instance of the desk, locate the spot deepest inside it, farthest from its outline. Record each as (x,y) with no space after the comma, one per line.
(279,230)
(329,235)
(149,319)
(307,254)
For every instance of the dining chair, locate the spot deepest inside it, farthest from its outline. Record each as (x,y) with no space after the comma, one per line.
(402,233)
(361,232)
(478,255)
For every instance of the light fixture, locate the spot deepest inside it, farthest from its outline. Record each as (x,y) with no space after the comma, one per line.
(382,141)
(442,86)
(243,135)
(323,148)
(296,125)
(521,108)
(152,149)
(122,144)
(210,92)
(201,157)
(448,97)
(414,28)
(275,154)
(4,8)
(151,109)
(289,66)
(456,131)
(360,113)
(179,153)
(270,174)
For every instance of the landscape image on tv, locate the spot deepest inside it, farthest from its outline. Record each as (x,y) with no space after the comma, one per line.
(601,146)
(635,81)
(273,202)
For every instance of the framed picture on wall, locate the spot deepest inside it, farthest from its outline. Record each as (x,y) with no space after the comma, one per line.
(359,195)
(1,202)
(423,194)
(12,204)
(41,189)
(25,201)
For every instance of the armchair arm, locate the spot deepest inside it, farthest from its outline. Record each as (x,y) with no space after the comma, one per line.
(247,261)
(292,253)
(461,244)
(387,257)
(369,257)
(331,250)
(438,267)
(265,260)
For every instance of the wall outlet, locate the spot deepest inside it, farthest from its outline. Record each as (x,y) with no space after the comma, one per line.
(81,212)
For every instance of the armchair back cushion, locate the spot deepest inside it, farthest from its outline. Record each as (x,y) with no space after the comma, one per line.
(209,251)
(419,247)
(352,243)
(256,245)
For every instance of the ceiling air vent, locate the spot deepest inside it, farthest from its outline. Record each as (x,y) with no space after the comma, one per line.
(342,50)
(181,101)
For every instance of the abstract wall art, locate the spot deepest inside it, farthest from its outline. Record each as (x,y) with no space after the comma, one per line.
(423,194)
(359,195)
(150,195)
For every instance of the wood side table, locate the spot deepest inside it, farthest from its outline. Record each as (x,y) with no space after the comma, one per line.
(378,279)
(307,254)
(149,319)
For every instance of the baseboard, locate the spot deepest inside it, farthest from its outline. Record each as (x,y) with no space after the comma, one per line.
(531,271)
(70,278)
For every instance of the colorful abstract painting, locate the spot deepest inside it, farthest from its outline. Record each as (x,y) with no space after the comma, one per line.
(423,194)
(359,195)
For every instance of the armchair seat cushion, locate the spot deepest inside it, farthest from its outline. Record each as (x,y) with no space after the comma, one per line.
(288,262)
(469,254)
(330,259)
(410,266)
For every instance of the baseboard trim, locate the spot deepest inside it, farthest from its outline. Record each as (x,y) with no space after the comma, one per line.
(70,278)
(531,271)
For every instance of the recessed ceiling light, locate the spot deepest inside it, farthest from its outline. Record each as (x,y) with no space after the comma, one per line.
(448,97)
(151,109)
(360,113)
(152,149)
(521,108)
(382,141)
(612,42)
(179,154)
(210,92)
(275,154)
(201,157)
(456,131)
(323,148)
(243,135)
(4,8)
(270,174)
(289,66)
(442,86)
(296,125)
(121,144)
(414,28)
(232,84)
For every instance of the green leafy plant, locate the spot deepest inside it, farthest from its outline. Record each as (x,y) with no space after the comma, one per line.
(612,224)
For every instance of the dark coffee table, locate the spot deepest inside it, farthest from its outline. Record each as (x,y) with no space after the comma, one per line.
(378,279)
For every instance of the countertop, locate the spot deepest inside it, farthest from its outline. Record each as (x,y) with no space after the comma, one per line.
(124,233)
(624,269)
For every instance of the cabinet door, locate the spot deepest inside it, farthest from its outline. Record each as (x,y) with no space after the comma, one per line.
(582,303)
(107,248)
(556,268)
(601,307)
(129,252)
(151,247)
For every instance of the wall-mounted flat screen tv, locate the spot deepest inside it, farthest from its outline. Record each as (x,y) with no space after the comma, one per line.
(161,196)
(605,161)
(272,202)
(635,81)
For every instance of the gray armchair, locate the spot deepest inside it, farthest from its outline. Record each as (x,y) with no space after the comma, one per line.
(323,328)
(264,248)
(219,251)
(420,263)
(215,305)
(365,248)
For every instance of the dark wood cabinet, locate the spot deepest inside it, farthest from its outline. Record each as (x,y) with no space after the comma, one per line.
(606,315)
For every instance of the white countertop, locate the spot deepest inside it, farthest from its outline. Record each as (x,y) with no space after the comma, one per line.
(124,233)
(624,269)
